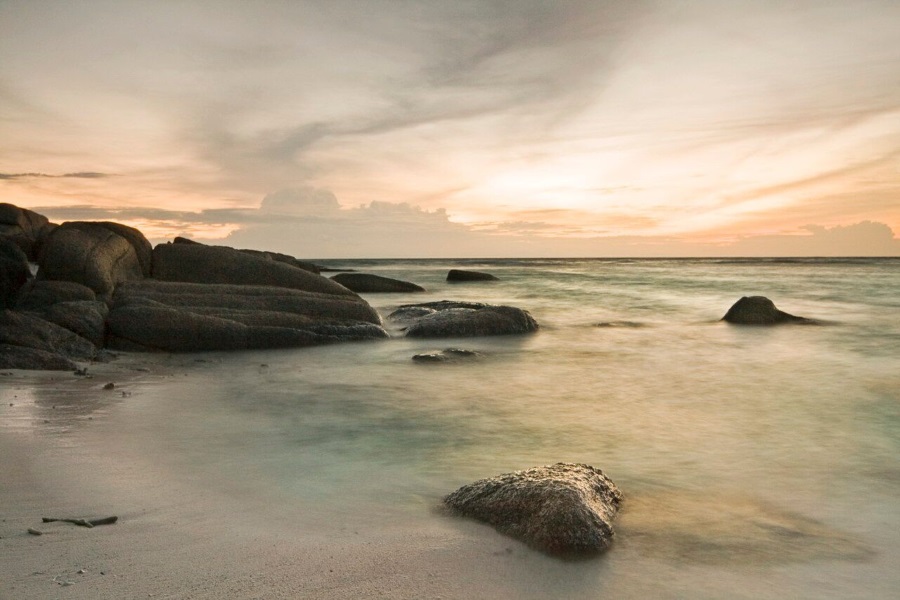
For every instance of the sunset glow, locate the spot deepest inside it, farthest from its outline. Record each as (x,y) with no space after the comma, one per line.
(586,128)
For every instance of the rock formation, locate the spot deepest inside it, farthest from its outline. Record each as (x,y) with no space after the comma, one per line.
(759,310)
(564,510)
(457,275)
(462,319)
(364,283)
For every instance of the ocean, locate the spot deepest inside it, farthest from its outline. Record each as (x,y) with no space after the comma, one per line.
(756,462)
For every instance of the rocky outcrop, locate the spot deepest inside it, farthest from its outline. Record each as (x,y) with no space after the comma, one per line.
(564,510)
(462,319)
(20,357)
(276,256)
(188,317)
(759,310)
(43,293)
(95,254)
(458,275)
(14,272)
(197,263)
(365,283)
(87,318)
(23,227)
(29,331)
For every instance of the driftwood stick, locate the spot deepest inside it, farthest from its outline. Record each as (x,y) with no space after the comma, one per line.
(83,522)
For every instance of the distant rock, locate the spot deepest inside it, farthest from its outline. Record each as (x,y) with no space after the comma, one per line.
(364,283)
(463,319)
(459,275)
(14,272)
(98,255)
(198,263)
(564,510)
(23,227)
(759,310)
(446,355)
(43,293)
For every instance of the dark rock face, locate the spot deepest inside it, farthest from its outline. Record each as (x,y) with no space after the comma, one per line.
(283,258)
(564,510)
(94,254)
(23,227)
(759,310)
(446,355)
(14,272)
(197,263)
(187,317)
(87,318)
(462,275)
(20,357)
(364,283)
(45,293)
(29,331)
(463,319)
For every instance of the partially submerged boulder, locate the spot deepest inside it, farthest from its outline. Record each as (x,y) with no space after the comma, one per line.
(458,275)
(446,355)
(98,255)
(189,317)
(759,310)
(463,319)
(564,510)
(365,283)
(198,263)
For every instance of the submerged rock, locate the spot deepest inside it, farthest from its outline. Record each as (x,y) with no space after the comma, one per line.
(365,283)
(463,319)
(446,355)
(759,310)
(463,275)
(564,510)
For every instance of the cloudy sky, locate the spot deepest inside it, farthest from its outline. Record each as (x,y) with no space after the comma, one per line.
(380,128)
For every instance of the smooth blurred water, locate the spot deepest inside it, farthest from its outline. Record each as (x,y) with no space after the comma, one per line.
(755,461)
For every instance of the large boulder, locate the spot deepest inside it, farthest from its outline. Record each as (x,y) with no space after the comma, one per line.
(365,283)
(564,510)
(29,331)
(14,272)
(759,310)
(276,256)
(462,319)
(43,293)
(20,357)
(458,275)
(98,255)
(87,318)
(190,317)
(198,263)
(23,227)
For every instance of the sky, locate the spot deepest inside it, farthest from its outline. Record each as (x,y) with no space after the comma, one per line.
(395,128)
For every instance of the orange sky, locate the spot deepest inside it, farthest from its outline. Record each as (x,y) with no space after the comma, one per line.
(376,128)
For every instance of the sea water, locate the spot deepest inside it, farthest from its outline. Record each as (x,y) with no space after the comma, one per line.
(757,462)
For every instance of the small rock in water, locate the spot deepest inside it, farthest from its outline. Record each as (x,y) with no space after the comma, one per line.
(449,354)
(109,386)
(34,531)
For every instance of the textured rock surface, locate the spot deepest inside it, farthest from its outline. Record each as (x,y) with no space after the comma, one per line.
(87,318)
(20,357)
(446,355)
(197,263)
(188,317)
(29,331)
(463,275)
(564,510)
(23,227)
(759,310)
(44,293)
(365,283)
(93,254)
(14,272)
(463,319)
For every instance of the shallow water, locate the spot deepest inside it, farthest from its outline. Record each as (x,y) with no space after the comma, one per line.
(756,462)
